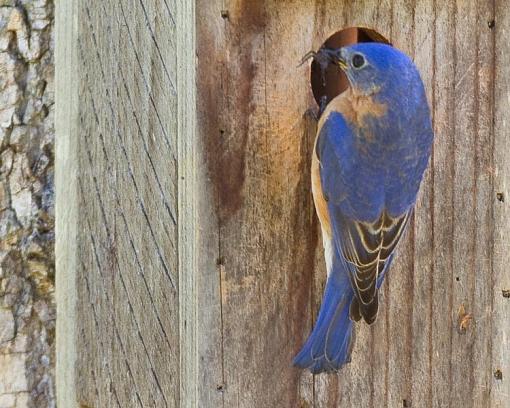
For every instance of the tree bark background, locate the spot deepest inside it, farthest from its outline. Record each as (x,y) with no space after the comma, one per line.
(27,305)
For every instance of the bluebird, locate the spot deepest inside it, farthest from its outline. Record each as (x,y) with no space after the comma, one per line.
(372,147)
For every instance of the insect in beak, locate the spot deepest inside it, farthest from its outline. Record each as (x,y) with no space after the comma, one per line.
(326,56)
(336,56)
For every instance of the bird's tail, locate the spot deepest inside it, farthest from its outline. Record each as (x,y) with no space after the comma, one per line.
(329,346)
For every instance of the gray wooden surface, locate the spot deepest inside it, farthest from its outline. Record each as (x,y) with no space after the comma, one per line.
(199,265)
(127,281)
(67,207)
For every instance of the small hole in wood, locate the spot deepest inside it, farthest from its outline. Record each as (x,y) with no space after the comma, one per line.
(491,24)
(225,14)
(506,293)
(498,374)
(457,279)
(335,81)
(500,197)
(406,403)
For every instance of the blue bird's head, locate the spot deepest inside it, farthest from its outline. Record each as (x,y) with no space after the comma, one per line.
(375,67)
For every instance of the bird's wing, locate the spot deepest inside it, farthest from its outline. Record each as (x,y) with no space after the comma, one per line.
(366,247)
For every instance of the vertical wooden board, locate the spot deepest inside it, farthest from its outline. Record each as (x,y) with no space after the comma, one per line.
(211,58)
(442,205)
(129,352)
(188,158)
(483,211)
(259,243)
(67,206)
(420,377)
(500,339)
(462,273)
(262,289)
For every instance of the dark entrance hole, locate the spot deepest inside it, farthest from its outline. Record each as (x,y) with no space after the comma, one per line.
(335,80)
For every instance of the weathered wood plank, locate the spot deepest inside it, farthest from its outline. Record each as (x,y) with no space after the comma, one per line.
(210,265)
(442,208)
(66,206)
(126,164)
(500,307)
(483,212)
(400,282)
(421,329)
(189,246)
(462,273)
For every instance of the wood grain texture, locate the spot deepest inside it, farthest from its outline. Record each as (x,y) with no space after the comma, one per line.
(188,190)
(270,274)
(127,274)
(499,384)
(66,192)
(199,267)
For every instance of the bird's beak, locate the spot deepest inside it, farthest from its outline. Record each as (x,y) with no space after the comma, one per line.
(337,57)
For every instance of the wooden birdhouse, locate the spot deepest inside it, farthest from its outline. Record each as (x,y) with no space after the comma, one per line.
(189,257)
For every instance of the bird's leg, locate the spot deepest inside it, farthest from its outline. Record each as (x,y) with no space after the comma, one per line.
(315,115)
(322,105)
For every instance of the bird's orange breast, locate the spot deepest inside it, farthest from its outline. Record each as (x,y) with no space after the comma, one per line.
(321,205)
(354,107)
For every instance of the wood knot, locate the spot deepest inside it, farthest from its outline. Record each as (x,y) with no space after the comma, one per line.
(464,319)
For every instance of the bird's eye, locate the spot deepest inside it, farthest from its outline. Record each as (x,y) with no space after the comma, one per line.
(358,61)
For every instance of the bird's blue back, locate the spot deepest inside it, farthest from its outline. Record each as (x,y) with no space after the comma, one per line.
(381,163)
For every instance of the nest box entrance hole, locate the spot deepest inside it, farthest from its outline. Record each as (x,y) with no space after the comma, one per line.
(335,81)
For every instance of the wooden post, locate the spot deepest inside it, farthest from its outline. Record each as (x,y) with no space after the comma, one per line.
(67,207)
(189,260)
